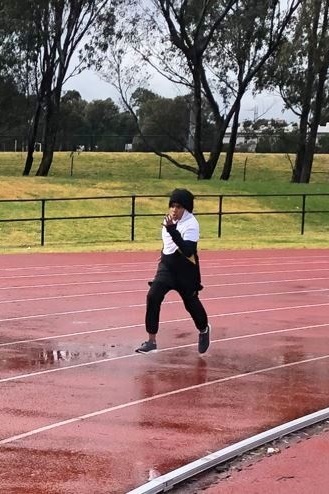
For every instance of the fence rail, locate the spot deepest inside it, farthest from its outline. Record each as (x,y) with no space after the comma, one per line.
(132,205)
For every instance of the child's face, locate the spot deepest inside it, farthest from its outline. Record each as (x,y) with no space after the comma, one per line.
(176,211)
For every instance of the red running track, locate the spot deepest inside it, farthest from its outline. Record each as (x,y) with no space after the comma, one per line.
(301,468)
(81,412)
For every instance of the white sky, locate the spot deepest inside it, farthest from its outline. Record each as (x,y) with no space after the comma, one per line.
(92,87)
(266,105)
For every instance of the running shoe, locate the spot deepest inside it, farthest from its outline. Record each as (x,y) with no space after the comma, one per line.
(204,340)
(147,347)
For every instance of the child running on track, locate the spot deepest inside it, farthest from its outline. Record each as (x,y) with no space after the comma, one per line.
(178,270)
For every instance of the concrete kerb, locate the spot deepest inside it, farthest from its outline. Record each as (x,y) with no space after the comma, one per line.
(166,482)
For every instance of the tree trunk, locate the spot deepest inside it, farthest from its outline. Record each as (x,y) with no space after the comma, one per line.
(311,143)
(197,124)
(318,104)
(227,168)
(205,170)
(29,158)
(300,169)
(51,128)
(301,147)
(48,153)
(31,141)
(212,162)
(303,126)
(47,156)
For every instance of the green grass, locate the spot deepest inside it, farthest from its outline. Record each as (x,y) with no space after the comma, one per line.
(117,174)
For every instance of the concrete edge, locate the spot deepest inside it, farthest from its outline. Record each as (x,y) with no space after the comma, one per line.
(168,481)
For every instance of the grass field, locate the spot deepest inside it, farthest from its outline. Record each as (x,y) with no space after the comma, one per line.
(124,174)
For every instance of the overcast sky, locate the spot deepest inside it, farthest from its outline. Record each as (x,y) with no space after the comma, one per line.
(92,87)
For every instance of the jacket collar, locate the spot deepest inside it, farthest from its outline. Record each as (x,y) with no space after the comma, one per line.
(186,216)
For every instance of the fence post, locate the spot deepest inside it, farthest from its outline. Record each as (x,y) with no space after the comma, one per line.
(43,209)
(160,167)
(245,169)
(72,163)
(133,211)
(220,211)
(303,214)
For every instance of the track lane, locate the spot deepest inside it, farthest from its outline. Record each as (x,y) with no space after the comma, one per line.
(249,334)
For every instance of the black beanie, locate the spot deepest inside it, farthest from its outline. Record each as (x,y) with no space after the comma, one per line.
(183,197)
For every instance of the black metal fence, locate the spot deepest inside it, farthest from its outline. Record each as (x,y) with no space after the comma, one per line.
(133,212)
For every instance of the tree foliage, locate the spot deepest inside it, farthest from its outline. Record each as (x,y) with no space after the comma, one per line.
(212,49)
(44,35)
(95,125)
(300,71)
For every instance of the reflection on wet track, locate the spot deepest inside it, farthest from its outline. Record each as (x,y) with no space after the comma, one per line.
(28,358)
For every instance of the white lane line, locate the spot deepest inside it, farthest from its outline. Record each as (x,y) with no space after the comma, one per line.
(237,283)
(259,261)
(75,283)
(94,273)
(100,294)
(141,401)
(268,282)
(213,262)
(130,326)
(70,274)
(77,295)
(104,309)
(108,264)
(102,282)
(161,350)
(69,367)
(78,333)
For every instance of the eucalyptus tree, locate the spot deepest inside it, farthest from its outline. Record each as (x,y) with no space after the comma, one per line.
(13,108)
(102,117)
(72,121)
(250,36)
(46,35)
(300,72)
(211,49)
(14,98)
(315,18)
(172,38)
(63,25)
(98,123)
(164,123)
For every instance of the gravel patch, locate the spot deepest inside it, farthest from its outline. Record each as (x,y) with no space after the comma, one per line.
(224,471)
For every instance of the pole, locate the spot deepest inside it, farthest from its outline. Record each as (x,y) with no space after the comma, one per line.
(245,169)
(133,212)
(160,166)
(72,160)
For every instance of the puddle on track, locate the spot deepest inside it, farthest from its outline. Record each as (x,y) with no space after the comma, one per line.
(26,357)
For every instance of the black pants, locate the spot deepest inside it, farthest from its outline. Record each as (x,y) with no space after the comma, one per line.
(154,299)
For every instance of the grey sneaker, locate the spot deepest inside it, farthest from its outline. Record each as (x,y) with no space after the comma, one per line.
(204,340)
(147,347)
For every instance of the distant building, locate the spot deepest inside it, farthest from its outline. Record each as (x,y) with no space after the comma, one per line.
(323,129)
(247,136)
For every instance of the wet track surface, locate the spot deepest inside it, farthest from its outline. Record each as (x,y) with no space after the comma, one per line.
(81,412)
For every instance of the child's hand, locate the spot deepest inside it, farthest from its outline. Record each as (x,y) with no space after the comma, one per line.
(169,223)
(168,220)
